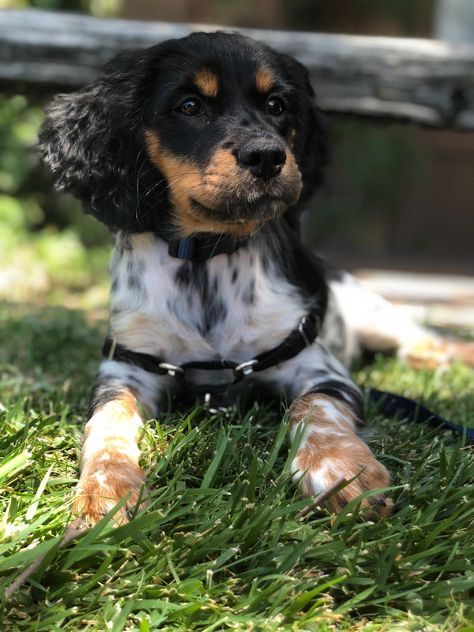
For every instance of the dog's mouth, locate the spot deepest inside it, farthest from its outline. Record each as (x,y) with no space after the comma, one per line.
(235,211)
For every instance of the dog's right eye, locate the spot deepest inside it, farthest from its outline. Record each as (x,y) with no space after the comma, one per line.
(190,107)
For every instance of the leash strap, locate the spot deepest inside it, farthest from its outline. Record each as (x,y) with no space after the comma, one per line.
(392,405)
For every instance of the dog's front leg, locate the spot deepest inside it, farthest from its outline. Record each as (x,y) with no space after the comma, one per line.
(325,414)
(110,455)
(330,451)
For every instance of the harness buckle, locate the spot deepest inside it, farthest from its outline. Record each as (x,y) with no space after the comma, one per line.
(171,369)
(246,368)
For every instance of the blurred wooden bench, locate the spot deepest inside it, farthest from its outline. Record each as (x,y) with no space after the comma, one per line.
(427,82)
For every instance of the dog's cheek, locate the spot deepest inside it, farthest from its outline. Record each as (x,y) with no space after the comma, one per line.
(292,178)
(182,177)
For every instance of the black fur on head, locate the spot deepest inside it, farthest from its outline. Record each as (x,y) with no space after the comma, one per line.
(94,140)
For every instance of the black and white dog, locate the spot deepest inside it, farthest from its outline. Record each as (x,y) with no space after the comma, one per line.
(199,154)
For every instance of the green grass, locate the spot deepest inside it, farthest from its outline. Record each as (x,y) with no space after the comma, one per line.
(220,546)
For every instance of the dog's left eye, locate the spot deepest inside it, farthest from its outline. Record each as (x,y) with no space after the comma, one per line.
(275,106)
(190,107)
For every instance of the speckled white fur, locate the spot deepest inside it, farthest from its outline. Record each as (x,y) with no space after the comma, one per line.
(170,317)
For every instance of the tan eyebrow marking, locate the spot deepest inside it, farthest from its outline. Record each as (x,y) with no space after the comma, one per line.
(207,82)
(264,80)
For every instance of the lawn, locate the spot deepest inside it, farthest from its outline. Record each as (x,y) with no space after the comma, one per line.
(221,545)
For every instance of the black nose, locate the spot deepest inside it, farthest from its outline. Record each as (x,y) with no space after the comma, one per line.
(264,158)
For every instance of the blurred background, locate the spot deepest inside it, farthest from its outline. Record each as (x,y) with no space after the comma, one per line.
(397,197)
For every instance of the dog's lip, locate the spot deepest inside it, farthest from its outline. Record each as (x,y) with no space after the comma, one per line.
(264,206)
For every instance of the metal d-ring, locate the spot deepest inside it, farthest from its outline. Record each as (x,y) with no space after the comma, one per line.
(302,332)
(246,367)
(171,369)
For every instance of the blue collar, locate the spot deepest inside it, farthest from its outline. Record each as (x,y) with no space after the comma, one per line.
(203,246)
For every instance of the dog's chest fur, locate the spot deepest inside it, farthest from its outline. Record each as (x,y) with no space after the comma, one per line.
(229,307)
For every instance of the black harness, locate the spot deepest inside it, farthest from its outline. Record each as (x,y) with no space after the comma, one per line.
(302,336)
(388,404)
(209,245)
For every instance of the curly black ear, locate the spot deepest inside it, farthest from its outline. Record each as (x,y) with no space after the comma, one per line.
(90,140)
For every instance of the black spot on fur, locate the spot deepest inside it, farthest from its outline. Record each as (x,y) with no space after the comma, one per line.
(248,296)
(135,269)
(215,313)
(134,282)
(265,259)
(193,276)
(235,275)
(183,275)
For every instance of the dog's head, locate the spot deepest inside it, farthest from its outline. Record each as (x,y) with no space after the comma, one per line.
(211,133)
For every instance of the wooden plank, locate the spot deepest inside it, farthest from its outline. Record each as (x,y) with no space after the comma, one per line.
(422,81)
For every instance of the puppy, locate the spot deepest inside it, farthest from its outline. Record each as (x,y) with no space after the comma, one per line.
(199,155)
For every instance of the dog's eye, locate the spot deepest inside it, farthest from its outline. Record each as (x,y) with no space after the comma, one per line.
(275,106)
(190,107)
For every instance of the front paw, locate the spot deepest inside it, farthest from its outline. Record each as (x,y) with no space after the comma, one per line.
(319,472)
(101,488)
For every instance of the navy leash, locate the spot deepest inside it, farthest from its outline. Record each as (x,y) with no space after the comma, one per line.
(392,405)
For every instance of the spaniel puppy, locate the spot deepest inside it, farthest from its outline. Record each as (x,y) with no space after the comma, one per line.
(198,154)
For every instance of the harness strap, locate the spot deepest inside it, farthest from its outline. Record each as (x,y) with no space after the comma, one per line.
(112,350)
(305,334)
(389,404)
(301,337)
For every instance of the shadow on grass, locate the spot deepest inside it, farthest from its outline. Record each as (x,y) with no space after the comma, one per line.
(47,350)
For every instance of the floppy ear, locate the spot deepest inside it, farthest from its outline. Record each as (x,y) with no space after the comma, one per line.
(311,147)
(91,141)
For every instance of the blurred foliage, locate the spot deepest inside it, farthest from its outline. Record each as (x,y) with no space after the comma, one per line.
(46,242)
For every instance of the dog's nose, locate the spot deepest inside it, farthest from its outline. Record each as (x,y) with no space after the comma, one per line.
(263,158)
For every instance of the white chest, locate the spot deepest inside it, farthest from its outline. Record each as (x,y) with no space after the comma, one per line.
(230,307)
